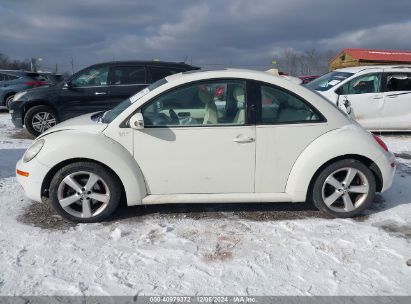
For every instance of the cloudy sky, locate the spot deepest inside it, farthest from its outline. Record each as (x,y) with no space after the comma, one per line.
(240,33)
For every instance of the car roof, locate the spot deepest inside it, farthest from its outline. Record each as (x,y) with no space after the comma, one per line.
(147,62)
(357,69)
(228,73)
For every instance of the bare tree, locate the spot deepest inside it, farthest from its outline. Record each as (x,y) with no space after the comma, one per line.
(7,63)
(310,62)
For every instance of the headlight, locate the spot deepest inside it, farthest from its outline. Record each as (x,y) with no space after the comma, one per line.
(33,150)
(19,95)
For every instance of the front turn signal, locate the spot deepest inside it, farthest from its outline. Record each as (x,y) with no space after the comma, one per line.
(22,173)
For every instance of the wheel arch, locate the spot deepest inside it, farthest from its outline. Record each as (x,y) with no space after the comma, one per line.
(59,151)
(363,159)
(35,103)
(344,143)
(7,95)
(50,174)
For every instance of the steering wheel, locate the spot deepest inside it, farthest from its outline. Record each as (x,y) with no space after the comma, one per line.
(174,117)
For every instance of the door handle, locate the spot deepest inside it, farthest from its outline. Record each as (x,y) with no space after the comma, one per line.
(392,96)
(241,139)
(100,93)
(377,97)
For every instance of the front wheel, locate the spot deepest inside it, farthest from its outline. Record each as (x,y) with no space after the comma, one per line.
(344,188)
(39,119)
(85,192)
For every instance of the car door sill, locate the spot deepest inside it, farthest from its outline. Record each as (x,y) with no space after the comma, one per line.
(216,198)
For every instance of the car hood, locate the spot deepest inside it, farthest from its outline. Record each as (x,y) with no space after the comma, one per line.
(45,90)
(83,123)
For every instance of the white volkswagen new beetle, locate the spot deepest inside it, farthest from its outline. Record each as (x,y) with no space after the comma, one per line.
(209,136)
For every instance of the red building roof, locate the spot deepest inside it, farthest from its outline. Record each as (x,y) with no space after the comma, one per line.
(378,55)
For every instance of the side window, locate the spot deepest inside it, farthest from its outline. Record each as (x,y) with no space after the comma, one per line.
(91,77)
(129,75)
(399,82)
(7,77)
(161,72)
(11,77)
(202,103)
(369,83)
(278,106)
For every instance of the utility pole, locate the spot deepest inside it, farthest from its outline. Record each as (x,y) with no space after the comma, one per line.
(57,68)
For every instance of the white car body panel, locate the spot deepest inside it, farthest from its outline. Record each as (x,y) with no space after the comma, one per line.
(348,140)
(273,165)
(96,147)
(174,161)
(204,164)
(396,112)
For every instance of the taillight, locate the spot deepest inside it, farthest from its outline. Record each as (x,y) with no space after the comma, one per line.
(36,83)
(380,142)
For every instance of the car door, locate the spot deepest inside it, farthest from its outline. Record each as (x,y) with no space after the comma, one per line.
(286,125)
(396,114)
(365,97)
(188,153)
(125,81)
(88,91)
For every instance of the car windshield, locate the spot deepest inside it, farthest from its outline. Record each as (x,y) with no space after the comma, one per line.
(327,81)
(109,116)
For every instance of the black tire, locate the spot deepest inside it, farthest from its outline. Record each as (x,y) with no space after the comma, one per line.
(109,178)
(364,202)
(30,115)
(8,100)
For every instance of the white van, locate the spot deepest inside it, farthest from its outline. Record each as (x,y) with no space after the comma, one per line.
(379,95)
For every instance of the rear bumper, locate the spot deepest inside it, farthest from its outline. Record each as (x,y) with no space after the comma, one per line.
(386,164)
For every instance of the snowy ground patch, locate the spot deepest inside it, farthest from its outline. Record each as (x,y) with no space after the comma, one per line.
(259,249)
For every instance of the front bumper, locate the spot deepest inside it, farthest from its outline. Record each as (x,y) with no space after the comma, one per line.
(33,182)
(386,164)
(17,120)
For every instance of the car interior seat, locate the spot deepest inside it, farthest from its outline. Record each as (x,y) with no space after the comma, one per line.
(211,113)
(239,97)
(231,103)
(295,110)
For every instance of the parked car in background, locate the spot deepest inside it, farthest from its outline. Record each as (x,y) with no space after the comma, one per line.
(308,78)
(97,88)
(379,95)
(12,82)
(52,77)
(275,141)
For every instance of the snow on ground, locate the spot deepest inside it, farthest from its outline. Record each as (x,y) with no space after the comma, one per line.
(173,251)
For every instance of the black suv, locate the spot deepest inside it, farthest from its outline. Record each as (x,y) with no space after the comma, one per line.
(99,87)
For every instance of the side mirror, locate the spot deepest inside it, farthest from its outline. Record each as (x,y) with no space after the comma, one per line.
(67,85)
(344,104)
(137,121)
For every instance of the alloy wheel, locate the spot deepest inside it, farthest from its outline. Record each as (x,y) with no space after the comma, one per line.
(43,121)
(83,194)
(345,189)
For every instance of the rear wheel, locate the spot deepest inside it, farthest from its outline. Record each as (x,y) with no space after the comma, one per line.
(85,192)
(344,188)
(9,99)
(39,119)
